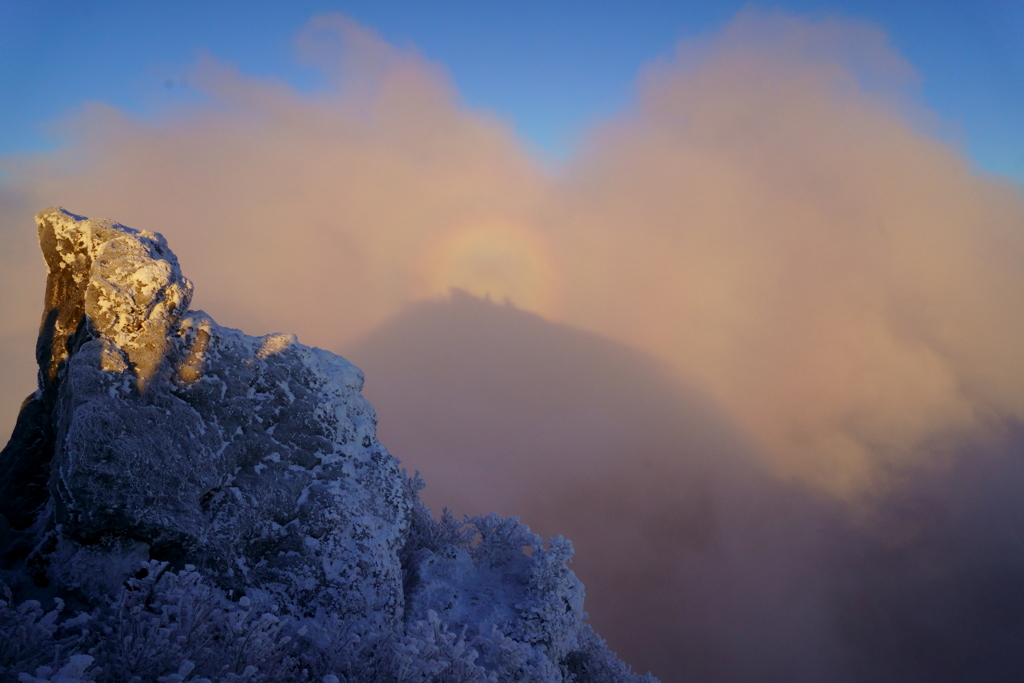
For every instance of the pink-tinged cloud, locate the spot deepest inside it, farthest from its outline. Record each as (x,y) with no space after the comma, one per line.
(772,219)
(840,281)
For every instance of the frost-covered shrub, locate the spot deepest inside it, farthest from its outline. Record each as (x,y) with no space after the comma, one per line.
(31,638)
(72,672)
(430,653)
(163,620)
(434,535)
(486,602)
(164,627)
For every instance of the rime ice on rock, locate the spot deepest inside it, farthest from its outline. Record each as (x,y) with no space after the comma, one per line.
(256,458)
(248,469)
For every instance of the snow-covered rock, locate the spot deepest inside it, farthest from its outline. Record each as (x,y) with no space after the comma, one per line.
(168,466)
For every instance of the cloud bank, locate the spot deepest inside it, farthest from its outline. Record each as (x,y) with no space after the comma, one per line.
(837,279)
(699,563)
(774,225)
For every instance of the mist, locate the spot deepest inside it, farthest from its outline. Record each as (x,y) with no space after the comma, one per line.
(700,563)
(754,349)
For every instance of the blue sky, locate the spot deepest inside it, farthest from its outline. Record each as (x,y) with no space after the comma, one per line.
(549,68)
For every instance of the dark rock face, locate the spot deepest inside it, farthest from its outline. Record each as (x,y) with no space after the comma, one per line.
(25,462)
(238,466)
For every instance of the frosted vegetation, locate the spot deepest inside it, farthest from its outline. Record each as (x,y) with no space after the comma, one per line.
(173,626)
(183,502)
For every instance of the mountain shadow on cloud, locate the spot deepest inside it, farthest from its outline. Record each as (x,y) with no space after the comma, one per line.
(501,410)
(698,564)
(496,395)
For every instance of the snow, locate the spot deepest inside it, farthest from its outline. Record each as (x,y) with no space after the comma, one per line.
(184,451)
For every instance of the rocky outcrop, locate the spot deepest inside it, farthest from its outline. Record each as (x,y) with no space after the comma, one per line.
(254,458)
(164,450)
